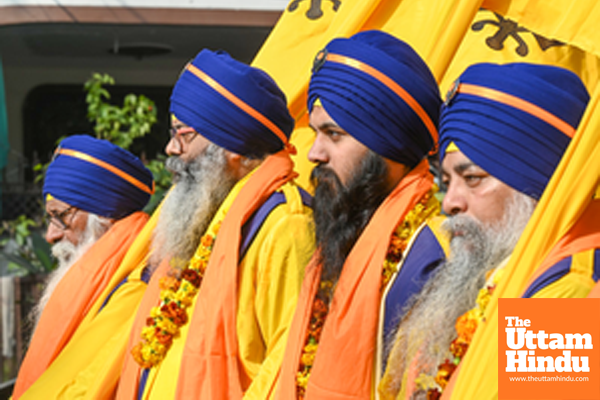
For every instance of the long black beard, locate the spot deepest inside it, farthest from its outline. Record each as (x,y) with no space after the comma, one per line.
(342,212)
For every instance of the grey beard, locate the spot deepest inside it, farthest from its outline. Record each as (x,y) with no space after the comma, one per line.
(201,185)
(427,329)
(67,254)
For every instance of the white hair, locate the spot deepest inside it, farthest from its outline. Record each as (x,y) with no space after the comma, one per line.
(67,254)
(201,185)
(423,338)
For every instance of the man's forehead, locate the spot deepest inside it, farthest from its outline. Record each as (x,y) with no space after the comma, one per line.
(54,204)
(457,161)
(320,118)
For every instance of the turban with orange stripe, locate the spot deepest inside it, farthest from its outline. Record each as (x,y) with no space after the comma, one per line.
(98,177)
(235,106)
(515,121)
(379,90)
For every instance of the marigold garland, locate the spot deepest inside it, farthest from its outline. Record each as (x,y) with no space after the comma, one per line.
(466,326)
(427,207)
(177,294)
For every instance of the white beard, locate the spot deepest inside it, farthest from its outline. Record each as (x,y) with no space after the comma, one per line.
(201,186)
(427,329)
(68,254)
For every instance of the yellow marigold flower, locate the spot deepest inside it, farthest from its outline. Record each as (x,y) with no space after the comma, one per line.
(302,379)
(148,333)
(154,312)
(425,382)
(167,325)
(308,358)
(167,295)
(311,348)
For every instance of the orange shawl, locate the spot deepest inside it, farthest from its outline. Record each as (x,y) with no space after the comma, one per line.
(584,235)
(345,360)
(73,297)
(210,367)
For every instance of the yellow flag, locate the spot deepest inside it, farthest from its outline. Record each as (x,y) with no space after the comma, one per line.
(570,189)
(495,38)
(434,28)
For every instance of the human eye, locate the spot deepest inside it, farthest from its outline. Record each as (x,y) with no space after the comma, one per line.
(473,179)
(334,134)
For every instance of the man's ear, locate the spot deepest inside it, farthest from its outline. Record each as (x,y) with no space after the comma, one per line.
(234,162)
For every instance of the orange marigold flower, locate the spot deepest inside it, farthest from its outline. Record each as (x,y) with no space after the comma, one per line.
(149,321)
(445,370)
(163,337)
(192,277)
(466,327)
(207,241)
(175,313)
(168,283)
(459,347)
(433,394)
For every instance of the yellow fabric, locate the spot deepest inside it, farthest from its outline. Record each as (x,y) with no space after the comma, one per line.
(476,47)
(567,194)
(271,275)
(452,147)
(89,365)
(433,28)
(577,283)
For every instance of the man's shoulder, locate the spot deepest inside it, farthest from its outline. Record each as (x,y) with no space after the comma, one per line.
(432,236)
(286,212)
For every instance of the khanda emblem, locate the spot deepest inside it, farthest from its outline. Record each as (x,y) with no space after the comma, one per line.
(509,29)
(315,11)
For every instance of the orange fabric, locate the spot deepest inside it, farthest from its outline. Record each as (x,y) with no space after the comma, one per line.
(210,367)
(74,295)
(584,235)
(519,104)
(344,364)
(210,356)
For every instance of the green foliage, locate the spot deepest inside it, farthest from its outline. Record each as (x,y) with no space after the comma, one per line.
(119,125)
(23,249)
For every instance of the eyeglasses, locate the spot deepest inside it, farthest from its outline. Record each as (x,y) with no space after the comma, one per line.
(183,136)
(58,219)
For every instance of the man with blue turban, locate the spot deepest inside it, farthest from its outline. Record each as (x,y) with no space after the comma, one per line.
(230,246)
(95,192)
(503,131)
(374,106)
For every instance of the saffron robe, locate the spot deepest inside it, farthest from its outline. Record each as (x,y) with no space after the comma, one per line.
(355,323)
(74,309)
(269,280)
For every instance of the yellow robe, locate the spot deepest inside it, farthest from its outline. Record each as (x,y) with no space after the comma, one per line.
(270,279)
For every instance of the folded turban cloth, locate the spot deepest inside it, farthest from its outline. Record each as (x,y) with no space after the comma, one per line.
(380,91)
(514,121)
(238,107)
(98,177)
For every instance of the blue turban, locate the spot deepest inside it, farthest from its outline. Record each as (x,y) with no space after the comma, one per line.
(98,177)
(380,91)
(238,107)
(514,121)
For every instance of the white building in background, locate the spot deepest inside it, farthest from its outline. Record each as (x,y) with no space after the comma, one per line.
(48,49)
